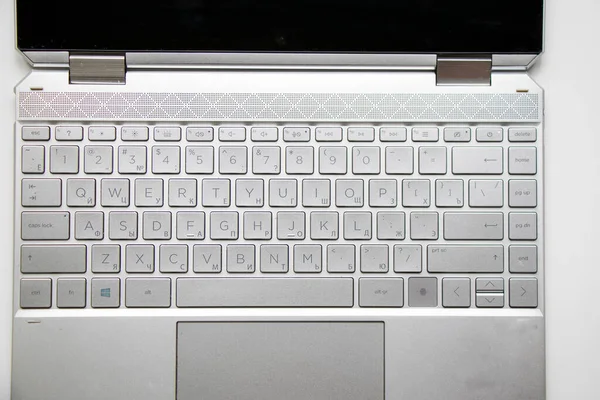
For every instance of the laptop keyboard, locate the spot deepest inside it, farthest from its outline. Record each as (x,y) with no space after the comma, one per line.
(278,216)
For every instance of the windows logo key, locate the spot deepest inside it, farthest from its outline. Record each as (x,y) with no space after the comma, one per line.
(105,292)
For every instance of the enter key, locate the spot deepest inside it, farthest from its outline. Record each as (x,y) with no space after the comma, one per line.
(473,226)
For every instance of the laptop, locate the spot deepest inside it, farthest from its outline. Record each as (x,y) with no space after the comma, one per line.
(269,200)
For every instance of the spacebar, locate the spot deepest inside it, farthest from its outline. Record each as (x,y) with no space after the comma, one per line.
(265,292)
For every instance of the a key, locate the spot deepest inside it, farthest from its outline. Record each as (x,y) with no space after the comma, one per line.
(258,225)
(374,258)
(361,134)
(383,193)
(392,134)
(98,160)
(349,193)
(183,192)
(473,226)
(522,226)
(199,134)
(299,160)
(102,133)
(224,225)
(522,160)
(165,159)
(422,292)
(81,192)
(456,292)
(148,192)
(477,160)
(522,134)
(416,193)
(199,159)
(425,134)
(465,259)
(341,258)
(36,293)
(35,133)
(432,160)
(156,225)
(216,192)
(152,292)
(207,258)
(115,192)
(333,160)
(232,134)
(291,134)
(291,225)
(266,160)
(308,258)
(89,225)
(69,133)
(449,193)
(64,159)
(240,258)
(381,292)
(105,292)
(70,293)
(132,160)
(489,134)
(233,160)
(274,258)
(452,134)
(123,225)
(41,193)
(357,225)
(486,193)
(316,192)
(264,134)
(32,160)
(328,134)
(134,133)
(408,258)
(390,225)
(249,192)
(45,225)
(365,160)
(522,193)
(523,292)
(399,160)
(139,258)
(167,134)
(324,225)
(190,225)
(283,193)
(106,258)
(424,225)
(522,259)
(53,259)
(173,258)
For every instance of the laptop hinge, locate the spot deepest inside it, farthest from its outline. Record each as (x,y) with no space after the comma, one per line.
(97,69)
(464,71)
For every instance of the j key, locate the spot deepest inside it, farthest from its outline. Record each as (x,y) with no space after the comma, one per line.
(465,259)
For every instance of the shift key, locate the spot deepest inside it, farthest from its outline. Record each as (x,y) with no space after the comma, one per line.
(53,259)
(44,225)
(465,259)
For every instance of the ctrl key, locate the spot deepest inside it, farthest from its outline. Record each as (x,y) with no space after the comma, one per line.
(36,293)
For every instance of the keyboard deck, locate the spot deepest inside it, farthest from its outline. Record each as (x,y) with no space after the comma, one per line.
(304,215)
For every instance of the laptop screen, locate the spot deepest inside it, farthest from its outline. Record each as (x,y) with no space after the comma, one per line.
(349,26)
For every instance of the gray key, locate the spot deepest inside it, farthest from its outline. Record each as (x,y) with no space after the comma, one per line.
(291,134)
(70,293)
(36,293)
(361,134)
(89,225)
(425,134)
(258,225)
(190,225)
(183,192)
(35,133)
(452,134)
(522,226)
(41,193)
(377,292)
(207,258)
(424,225)
(358,225)
(157,225)
(399,160)
(465,259)
(291,225)
(233,160)
(416,193)
(422,292)
(55,259)
(408,258)
(522,259)
(522,160)
(32,160)
(199,159)
(265,292)
(274,258)
(232,134)
(143,292)
(374,258)
(166,159)
(489,134)
(132,160)
(45,225)
(102,133)
(139,258)
(106,292)
(148,192)
(266,160)
(98,160)
(64,159)
(489,300)
(216,192)
(489,285)
(383,193)
(106,258)
(68,133)
(324,225)
(224,225)
(308,258)
(173,258)
(264,134)
(349,193)
(449,193)
(167,134)
(473,226)
(390,225)
(522,193)
(114,192)
(366,160)
(316,192)
(392,134)
(523,292)
(134,133)
(456,292)
(477,160)
(522,134)
(341,258)
(333,160)
(240,258)
(486,193)
(299,160)
(283,193)
(123,225)
(432,160)
(249,192)
(328,134)
(81,192)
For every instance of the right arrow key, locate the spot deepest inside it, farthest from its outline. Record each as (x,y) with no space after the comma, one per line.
(523,292)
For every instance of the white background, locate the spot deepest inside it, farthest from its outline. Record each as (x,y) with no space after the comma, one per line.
(569,72)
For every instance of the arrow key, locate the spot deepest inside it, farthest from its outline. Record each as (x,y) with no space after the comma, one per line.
(490,300)
(523,292)
(489,285)
(456,292)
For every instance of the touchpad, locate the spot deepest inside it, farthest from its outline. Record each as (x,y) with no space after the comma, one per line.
(280,360)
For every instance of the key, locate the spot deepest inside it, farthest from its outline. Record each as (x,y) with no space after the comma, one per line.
(365,160)
(383,193)
(264,134)
(165,159)
(266,160)
(477,160)
(89,225)
(35,133)
(332,160)
(53,259)
(422,292)
(139,258)
(258,225)
(265,292)
(142,292)
(489,300)
(122,225)
(432,160)
(522,160)
(291,134)
(190,225)
(81,192)
(522,259)
(134,133)
(452,134)
(64,159)
(522,193)
(157,225)
(324,225)
(424,225)
(456,292)
(68,133)
(308,258)
(199,134)
(70,293)
(283,193)
(522,134)
(341,258)
(392,134)
(489,134)
(486,193)
(148,192)
(132,160)
(399,160)
(115,192)
(376,292)
(224,225)
(98,160)
(182,192)
(240,258)
(32,160)
(449,193)
(216,192)
(523,292)
(102,133)
(106,258)
(233,160)
(106,292)
(274,258)
(167,134)
(36,293)
(45,225)
(232,134)
(249,193)
(328,134)
(316,192)
(357,225)
(41,193)
(465,259)
(173,258)
(290,225)
(361,134)
(207,258)
(408,258)
(390,225)
(425,134)
(473,226)
(299,160)
(522,226)
(415,193)
(489,285)
(349,193)
(374,258)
